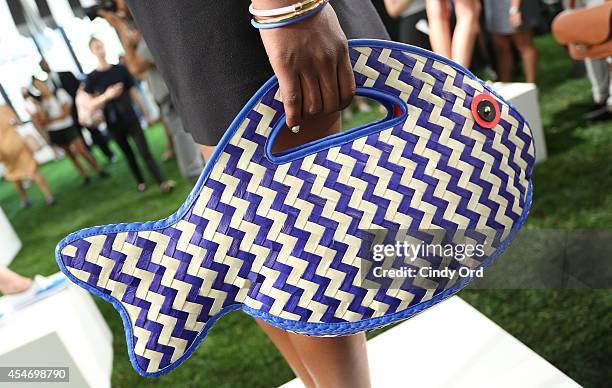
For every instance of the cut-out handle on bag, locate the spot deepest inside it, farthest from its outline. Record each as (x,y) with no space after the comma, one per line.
(397,112)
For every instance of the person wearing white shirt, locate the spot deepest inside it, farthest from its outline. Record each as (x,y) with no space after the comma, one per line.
(59,123)
(33,109)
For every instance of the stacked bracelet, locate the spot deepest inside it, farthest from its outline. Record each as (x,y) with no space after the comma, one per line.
(280,11)
(287,15)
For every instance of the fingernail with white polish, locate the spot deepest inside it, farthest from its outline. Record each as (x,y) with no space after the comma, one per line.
(295,129)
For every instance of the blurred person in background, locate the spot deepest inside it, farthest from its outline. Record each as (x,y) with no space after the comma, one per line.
(512,23)
(391,23)
(34,110)
(146,118)
(63,132)
(18,159)
(70,83)
(458,45)
(412,18)
(139,62)
(599,73)
(112,90)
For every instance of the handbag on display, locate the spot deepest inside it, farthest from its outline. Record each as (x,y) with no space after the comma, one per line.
(88,117)
(306,239)
(586,31)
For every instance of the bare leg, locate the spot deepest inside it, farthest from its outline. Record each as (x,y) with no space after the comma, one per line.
(75,161)
(438,15)
(11,282)
(169,152)
(505,60)
(43,185)
(80,149)
(466,30)
(335,361)
(529,55)
(318,361)
(21,190)
(282,341)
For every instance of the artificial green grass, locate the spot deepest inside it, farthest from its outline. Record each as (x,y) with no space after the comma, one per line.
(573,189)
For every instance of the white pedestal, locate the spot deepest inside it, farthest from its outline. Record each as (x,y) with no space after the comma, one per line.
(63,330)
(10,244)
(454,345)
(524,97)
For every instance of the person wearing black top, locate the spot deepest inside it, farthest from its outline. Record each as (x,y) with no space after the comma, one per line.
(67,81)
(113,89)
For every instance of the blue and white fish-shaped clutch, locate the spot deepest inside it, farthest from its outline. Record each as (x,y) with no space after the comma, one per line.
(280,236)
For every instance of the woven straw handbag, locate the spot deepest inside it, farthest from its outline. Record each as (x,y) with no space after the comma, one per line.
(287,237)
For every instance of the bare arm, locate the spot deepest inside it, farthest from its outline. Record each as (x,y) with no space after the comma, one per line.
(136,65)
(516,18)
(65,113)
(395,8)
(98,102)
(136,98)
(311,60)
(38,119)
(95,103)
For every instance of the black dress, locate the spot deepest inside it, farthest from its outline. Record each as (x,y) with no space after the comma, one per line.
(213,60)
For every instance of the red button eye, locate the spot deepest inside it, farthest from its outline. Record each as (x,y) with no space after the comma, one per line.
(485,110)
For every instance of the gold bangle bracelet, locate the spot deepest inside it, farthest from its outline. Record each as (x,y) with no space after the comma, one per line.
(316,4)
(297,7)
(305,9)
(277,12)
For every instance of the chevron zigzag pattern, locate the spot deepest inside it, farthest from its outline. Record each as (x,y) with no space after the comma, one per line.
(285,239)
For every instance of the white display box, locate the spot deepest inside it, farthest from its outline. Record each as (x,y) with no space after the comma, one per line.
(10,245)
(63,330)
(453,345)
(524,97)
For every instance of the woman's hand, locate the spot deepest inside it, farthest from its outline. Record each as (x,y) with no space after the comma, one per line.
(515,16)
(38,119)
(65,113)
(516,20)
(98,102)
(113,91)
(310,59)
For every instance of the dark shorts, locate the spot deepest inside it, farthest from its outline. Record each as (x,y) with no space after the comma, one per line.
(213,60)
(63,137)
(498,20)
